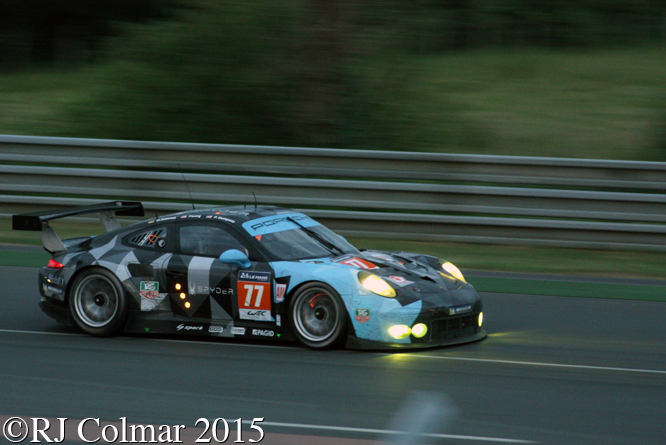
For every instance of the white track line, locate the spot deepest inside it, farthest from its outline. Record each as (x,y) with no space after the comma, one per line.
(557,365)
(389,432)
(16,331)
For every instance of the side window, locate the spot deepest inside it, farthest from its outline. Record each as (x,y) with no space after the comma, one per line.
(155,238)
(206,240)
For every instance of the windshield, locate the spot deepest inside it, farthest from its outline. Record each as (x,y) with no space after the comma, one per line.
(295,236)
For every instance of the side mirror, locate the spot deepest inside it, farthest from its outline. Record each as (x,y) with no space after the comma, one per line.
(236,257)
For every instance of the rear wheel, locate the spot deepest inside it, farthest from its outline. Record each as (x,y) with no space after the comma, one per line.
(97,302)
(318,316)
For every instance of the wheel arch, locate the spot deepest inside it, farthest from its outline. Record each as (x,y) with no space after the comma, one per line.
(128,291)
(294,291)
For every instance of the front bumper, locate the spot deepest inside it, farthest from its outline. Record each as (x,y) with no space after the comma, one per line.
(360,343)
(442,330)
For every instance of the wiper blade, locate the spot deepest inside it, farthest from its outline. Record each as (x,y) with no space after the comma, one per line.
(317,237)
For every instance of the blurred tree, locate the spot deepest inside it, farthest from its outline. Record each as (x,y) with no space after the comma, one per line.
(269,72)
(80,24)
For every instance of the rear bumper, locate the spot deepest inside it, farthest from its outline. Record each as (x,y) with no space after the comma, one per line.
(56,310)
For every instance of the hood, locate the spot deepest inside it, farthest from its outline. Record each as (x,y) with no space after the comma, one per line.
(413,277)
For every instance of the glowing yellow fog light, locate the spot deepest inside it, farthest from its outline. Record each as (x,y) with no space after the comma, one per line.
(177,286)
(375,284)
(480,318)
(419,330)
(187,304)
(400,331)
(453,270)
(182,295)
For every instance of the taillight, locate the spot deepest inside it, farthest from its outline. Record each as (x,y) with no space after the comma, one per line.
(54,264)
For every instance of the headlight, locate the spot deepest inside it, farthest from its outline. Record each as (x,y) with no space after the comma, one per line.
(375,284)
(453,270)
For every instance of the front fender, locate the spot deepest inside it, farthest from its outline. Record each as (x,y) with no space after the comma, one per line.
(371,315)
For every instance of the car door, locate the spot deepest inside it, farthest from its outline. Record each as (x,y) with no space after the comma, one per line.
(205,290)
(200,286)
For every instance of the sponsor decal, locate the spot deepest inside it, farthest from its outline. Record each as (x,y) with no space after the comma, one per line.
(360,263)
(52,289)
(400,281)
(254,295)
(280,290)
(222,218)
(166,218)
(261,277)
(272,224)
(188,327)
(215,329)
(253,314)
(209,216)
(460,309)
(263,333)
(149,289)
(278,320)
(362,315)
(238,331)
(194,289)
(58,281)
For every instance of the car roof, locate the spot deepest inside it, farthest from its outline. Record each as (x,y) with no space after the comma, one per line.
(232,215)
(235,215)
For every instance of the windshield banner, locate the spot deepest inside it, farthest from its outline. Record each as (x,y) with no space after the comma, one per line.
(278,223)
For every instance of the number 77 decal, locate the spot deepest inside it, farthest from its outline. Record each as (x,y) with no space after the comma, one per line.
(260,291)
(254,295)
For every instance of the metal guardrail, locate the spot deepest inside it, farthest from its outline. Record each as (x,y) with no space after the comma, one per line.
(419,196)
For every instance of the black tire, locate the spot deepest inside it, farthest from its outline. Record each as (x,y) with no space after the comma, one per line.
(318,316)
(98,303)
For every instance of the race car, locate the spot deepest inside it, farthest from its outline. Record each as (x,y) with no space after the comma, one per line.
(266,272)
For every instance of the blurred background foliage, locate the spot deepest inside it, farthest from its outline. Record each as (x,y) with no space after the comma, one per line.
(547,78)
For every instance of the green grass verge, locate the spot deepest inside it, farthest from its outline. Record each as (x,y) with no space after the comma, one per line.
(605,103)
(569,289)
(25,259)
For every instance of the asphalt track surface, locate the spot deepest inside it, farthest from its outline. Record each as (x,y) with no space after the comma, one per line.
(553,370)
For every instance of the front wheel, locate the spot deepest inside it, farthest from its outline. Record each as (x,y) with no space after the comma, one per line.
(318,316)
(97,302)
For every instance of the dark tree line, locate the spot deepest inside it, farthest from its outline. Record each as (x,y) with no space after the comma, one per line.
(43,32)
(48,31)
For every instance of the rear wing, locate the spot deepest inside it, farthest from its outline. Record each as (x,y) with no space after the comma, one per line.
(39,221)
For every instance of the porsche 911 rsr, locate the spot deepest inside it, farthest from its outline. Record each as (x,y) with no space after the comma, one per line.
(266,273)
